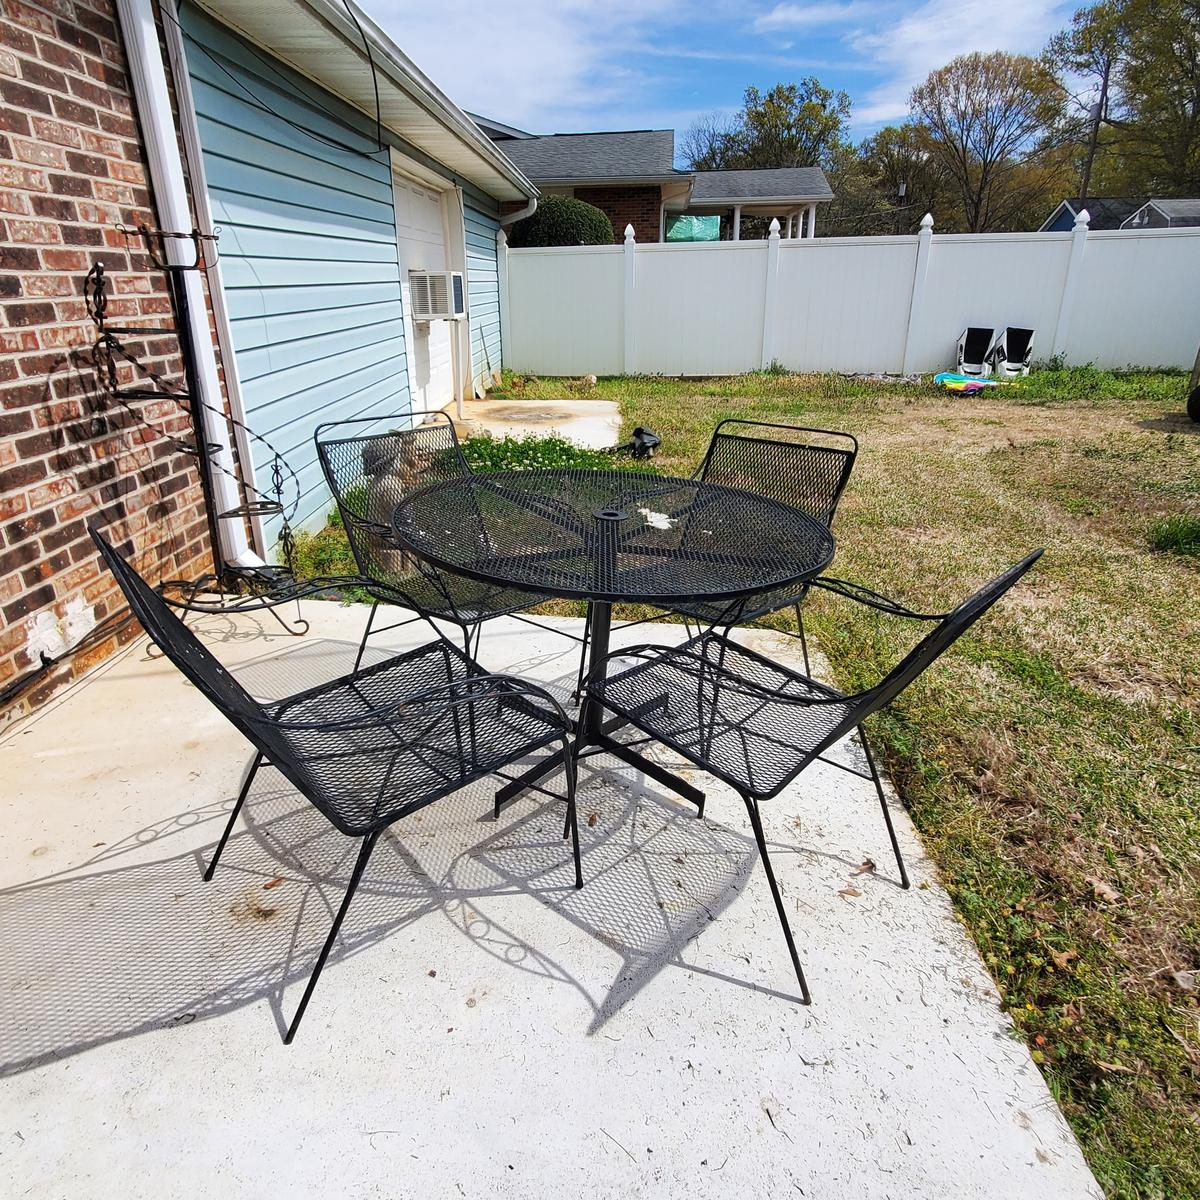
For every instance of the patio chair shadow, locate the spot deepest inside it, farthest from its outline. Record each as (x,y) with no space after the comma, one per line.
(94,956)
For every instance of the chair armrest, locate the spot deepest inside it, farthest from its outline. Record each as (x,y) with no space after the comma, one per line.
(861,594)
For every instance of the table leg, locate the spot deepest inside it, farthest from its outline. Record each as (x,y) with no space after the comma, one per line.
(595,731)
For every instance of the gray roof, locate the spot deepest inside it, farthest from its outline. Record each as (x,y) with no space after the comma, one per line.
(1179,211)
(1105,212)
(631,154)
(778,183)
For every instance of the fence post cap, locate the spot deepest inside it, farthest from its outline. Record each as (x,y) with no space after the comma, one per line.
(927,223)
(774,227)
(628,234)
(1082,219)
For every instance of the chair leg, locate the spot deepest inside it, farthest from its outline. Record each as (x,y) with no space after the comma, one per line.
(756,823)
(883,804)
(583,653)
(364,853)
(362,646)
(571,772)
(233,816)
(803,639)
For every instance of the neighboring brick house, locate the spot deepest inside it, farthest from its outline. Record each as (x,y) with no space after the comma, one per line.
(73,168)
(284,333)
(631,177)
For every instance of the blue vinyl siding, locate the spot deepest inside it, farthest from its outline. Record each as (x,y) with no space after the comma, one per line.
(483,293)
(308,252)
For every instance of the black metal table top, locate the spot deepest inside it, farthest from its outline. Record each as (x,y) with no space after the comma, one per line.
(611,535)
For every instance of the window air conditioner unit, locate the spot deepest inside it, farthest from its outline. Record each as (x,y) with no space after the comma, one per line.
(437,295)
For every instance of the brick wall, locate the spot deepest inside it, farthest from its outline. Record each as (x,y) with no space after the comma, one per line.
(71,169)
(636,206)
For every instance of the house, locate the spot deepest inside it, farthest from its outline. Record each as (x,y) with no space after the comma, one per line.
(329,166)
(1104,212)
(631,176)
(1164,214)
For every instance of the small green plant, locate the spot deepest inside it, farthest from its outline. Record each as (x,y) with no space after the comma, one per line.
(563,221)
(1179,534)
(537,452)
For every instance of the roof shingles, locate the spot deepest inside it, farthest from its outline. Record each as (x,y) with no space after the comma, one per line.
(633,154)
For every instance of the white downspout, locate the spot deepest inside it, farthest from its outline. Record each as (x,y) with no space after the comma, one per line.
(520,214)
(149,79)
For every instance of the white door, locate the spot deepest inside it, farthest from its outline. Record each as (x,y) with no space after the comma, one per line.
(421,237)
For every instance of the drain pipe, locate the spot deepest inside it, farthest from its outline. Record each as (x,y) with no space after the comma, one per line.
(153,101)
(520,214)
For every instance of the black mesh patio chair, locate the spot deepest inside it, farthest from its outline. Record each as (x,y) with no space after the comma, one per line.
(757,725)
(373,746)
(805,468)
(369,473)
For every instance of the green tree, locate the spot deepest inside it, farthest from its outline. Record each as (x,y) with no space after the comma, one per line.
(995,124)
(1091,50)
(1158,125)
(562,221)
(791,125)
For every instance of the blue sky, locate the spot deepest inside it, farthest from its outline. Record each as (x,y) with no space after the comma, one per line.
(634,64)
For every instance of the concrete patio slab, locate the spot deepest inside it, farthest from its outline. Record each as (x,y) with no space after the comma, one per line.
(594,423)
(483,1029)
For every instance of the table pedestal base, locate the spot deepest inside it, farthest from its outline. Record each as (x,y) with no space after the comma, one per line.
(594,735)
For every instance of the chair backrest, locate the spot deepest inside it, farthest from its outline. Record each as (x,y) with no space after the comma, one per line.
(369,473)
(805,468)
(185,650)
(928,650)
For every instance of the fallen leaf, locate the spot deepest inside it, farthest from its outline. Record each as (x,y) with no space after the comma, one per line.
(867,864)
(432,974)
(1114,1068)
(1103,891)
(848,891)
(1040,1040)
(592,819)
(1185,980)
(1061,960)
(272,883)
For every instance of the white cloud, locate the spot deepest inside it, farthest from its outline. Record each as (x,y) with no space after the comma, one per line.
(537,66)
(810,16)
(937,31)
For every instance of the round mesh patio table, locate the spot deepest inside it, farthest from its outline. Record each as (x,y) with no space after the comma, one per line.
(609,537)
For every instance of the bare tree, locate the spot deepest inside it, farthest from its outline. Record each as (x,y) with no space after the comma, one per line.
(711,141)
(994,124)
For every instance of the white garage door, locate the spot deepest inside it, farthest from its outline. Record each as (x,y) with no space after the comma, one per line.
(421,234)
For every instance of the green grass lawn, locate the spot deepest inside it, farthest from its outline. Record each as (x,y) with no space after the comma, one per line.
(1051,759)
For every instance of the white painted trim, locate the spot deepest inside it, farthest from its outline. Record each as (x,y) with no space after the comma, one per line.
(152,98)
(189,129)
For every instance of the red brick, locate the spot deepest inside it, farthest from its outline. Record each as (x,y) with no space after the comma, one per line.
(60,56)
(31,18)
(12,121)
(37,153)
(56,208)
(14,340)
(40,76)
(44,284)
(13,202)
(29,178)
(79,38)
(66,260)
(20,315)
(59,132)
(10,65)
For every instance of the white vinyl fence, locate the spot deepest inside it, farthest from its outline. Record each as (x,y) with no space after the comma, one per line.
(888,304)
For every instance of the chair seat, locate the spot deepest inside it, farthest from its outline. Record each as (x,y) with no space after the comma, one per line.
(457,598)
(720,612)
(725,708)
(365,776)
